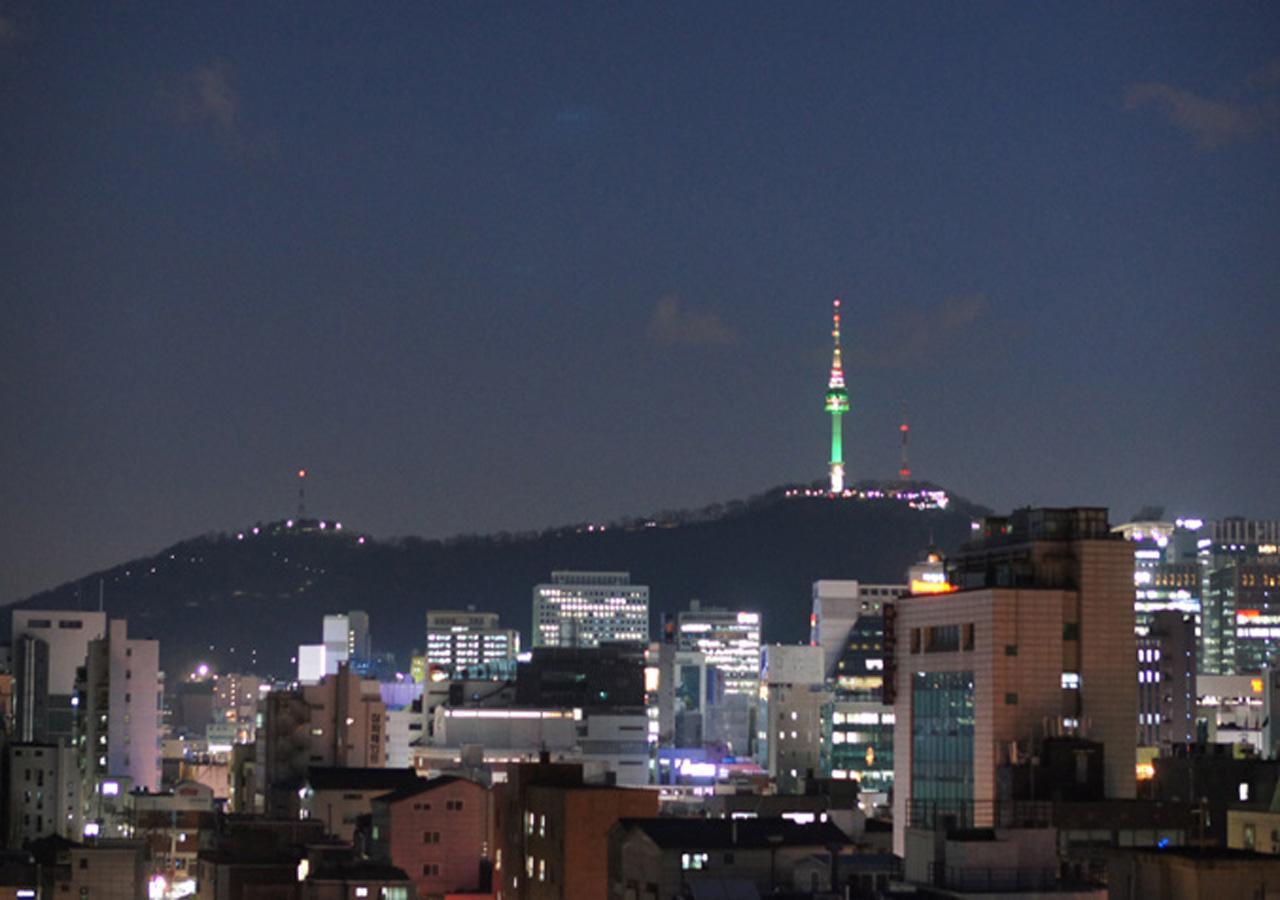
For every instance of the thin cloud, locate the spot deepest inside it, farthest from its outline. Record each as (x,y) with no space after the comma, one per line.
(207,97)
(1213,123)
(917,334)
(672,325)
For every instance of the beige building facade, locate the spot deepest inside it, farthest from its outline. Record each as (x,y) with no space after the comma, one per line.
(1035,642)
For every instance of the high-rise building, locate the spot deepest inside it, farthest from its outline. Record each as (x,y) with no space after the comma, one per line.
(837,404)
(1167,680)
(729,643)
(583,609)
(311,663)
(336,634)
(676,688)
(121,703)
(49,646)
(608,676)
(359,645)
(1240,618)
(467,643)
(235,703)
(838,607)
(1036,642)
(793,697)
(1166,572)
(847,623)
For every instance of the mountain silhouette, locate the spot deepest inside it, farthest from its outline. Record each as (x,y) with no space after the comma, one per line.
(244,600)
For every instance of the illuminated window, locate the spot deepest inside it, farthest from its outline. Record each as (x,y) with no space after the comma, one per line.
(693,861)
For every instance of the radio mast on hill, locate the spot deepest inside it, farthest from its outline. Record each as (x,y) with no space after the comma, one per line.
(837,403)
(905,472)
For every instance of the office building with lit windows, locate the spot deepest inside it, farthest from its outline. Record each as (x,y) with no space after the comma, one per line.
(793,700)
(728,642)
(847,623)
(1167,572)
(464,643)
(585,609)
(1240,618)
(121,702)
(1035,642)
(1167,680)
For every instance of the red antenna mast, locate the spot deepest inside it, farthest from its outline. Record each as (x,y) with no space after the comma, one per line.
(904,429)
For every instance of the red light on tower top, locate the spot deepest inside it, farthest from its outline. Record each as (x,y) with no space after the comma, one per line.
(904,472)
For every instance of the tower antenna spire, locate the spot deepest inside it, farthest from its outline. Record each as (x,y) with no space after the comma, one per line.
(904,429)
(302,494)
(837,403)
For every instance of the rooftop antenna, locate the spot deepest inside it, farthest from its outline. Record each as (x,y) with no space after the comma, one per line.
(904,429)
(302,493)
(100,592)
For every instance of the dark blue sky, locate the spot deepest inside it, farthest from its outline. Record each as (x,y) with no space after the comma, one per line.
(482,267)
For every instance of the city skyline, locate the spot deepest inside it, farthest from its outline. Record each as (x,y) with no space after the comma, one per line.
(493,270)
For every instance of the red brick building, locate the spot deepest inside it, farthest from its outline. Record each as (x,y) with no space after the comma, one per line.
(553,832)
(439,832)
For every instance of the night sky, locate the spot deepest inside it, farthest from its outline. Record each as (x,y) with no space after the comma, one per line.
(482,267)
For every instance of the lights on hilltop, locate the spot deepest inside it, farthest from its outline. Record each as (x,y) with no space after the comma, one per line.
(916,499)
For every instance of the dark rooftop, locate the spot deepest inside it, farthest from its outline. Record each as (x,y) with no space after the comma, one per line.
(339,779)
(365,870)
(671,833)
(421,787)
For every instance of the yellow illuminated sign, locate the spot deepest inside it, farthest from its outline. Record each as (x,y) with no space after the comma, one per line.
(931,587)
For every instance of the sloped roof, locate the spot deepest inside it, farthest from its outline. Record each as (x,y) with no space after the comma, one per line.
(422,787)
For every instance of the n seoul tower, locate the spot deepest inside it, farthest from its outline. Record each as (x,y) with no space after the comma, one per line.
(837,403)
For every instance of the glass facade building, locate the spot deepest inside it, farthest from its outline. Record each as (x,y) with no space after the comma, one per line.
(942,747)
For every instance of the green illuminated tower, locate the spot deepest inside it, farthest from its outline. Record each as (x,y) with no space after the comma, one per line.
(837,404)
